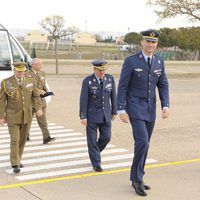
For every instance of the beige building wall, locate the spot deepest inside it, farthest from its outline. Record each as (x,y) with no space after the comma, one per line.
(84,38)
(36,36)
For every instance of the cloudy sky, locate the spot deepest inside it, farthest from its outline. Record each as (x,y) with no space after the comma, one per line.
(89,15)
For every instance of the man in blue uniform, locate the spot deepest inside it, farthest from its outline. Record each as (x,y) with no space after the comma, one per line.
(136,101)
(98,106)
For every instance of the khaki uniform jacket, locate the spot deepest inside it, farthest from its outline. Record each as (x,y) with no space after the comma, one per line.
(40,82)
(16,103)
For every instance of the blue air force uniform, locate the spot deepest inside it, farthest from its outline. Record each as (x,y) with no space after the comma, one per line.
(97,105)
(137,96)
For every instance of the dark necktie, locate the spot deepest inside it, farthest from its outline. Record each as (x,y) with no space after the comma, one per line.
(149,62)
(20,83)
(101,83)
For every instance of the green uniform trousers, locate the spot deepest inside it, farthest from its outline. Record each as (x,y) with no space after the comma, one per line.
(18,135)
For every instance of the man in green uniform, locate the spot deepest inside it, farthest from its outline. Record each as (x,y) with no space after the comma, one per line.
(39,77)
(17,95)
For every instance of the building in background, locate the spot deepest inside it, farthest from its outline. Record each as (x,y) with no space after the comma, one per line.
(84,38)
(36,36)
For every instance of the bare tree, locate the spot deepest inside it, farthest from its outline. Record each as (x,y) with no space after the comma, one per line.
(173,8)
(55,26)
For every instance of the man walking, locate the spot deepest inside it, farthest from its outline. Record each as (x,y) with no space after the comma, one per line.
(39,76)
(17,95)
(140,75)
(98,106)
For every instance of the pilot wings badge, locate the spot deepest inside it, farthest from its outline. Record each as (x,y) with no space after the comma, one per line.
(138,69)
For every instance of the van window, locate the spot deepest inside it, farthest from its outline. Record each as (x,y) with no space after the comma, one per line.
(5,55)
(17,56)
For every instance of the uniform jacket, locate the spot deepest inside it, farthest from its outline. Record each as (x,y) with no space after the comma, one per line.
(96,104)
(40,82)
(16,103)
(137,87)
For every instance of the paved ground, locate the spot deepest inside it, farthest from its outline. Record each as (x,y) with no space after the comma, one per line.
(174,140)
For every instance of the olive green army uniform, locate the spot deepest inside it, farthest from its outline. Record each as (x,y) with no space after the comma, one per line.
(16,108)
(40,83)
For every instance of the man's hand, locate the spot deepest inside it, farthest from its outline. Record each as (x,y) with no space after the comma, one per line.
(2,122)
(165,113)
(84,122)
(124,118)
(39,113)
(41,92)
(114,117)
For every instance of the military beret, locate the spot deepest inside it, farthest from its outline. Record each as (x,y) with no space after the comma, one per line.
(20,66)
(150,35)
(99,64)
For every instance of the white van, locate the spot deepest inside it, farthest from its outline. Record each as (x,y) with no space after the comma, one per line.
(11,51)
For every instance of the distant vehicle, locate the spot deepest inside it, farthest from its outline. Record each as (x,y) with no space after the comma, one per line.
(12,51)
(126,47)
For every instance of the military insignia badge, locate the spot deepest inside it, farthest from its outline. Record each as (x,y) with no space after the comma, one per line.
(158,72)
(140,56)
(138,69)
(94,87)
(94,80)
(89,82)
(108,86)
(152,34)
(29,85)
(158,61)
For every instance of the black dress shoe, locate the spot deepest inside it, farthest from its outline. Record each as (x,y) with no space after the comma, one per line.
(139,188)
(49,139)
(16,169)
(21,165)
(146,187)
(28,138)
(98,169)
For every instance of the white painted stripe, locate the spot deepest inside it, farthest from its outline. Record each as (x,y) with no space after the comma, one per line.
(49,124)
(2,141)
(39,132)
(50,128)
(70,171)
(52,131)
(54,152)
(48,146)
(30,143)
(71,163)
(36,129)
(54,158)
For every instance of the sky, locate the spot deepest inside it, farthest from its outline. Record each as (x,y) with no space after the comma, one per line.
(87,15)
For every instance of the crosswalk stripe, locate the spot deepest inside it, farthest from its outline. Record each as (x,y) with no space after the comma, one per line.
(35,129)
(49,146)
(39,142)
(70,163)
(54,152)
(71,171)
(62,135)
(62,157)
(37,132)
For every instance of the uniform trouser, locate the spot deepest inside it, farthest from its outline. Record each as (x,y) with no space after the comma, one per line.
(18,134)
(42,122)
(95,146)
(142,131)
